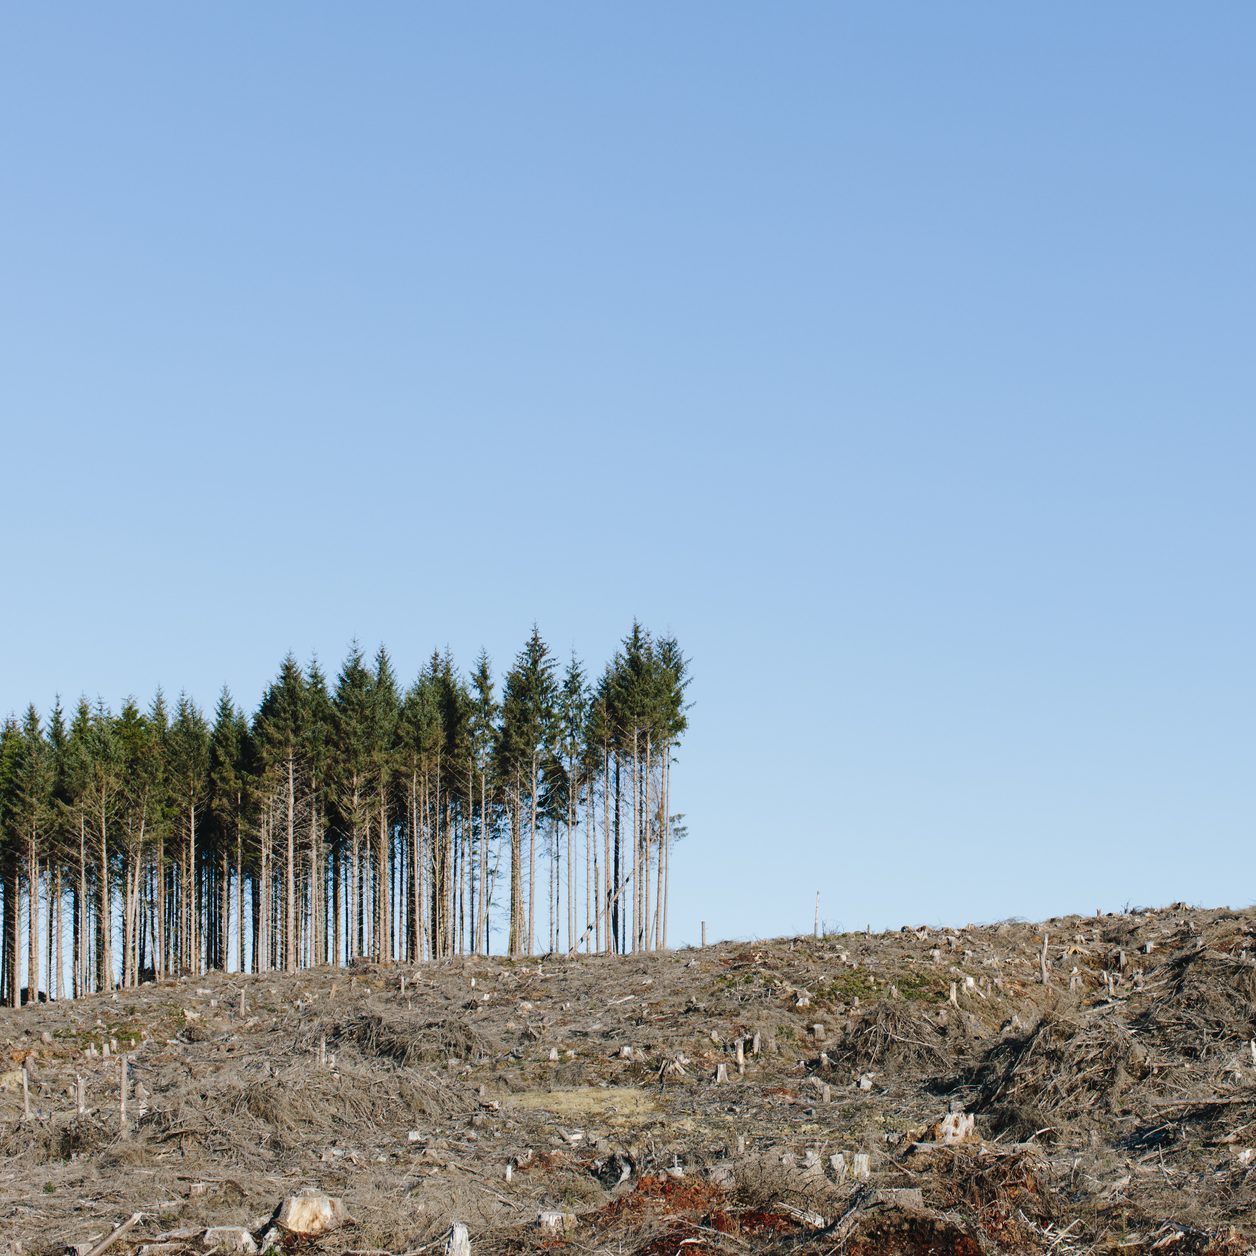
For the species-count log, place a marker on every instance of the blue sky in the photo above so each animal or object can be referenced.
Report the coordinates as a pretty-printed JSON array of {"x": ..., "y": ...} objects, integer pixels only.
[{"x": 897, "y": 357}]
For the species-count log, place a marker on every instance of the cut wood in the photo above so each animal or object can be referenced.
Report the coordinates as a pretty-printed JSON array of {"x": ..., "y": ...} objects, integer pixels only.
[{"x": 119, "y": 1232}]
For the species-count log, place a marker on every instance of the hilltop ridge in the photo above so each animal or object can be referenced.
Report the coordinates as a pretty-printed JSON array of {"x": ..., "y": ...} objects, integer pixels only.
[{"x": 794, "y": 1094}]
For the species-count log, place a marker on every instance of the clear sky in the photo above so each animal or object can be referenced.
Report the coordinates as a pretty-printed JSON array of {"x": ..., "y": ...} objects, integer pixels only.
[{"x": 897, "y": 357}]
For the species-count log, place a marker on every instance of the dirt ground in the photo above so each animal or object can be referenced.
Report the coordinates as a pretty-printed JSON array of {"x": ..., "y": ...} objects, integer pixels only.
[{"x": 787, "y": 1095}]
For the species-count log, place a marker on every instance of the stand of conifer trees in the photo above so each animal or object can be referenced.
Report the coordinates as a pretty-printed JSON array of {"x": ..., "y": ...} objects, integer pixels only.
[{"x": 347, "y": 819}]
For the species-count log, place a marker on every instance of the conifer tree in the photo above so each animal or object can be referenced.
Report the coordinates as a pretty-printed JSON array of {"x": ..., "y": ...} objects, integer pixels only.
[
  {"x": 482, "y": 733},
  {"x": 318, "y": 734},
  {"x": 527, "y": 718},
  {"x": 571, "y": 720},
  {"x": 352, "y": 729},
  {"x": 141, "y": 783},
  {"x": 187, "y": 760},
  {"x": 281, "y": 737},
  {"x": 359, "y": 822},
  {"x": 227, "y": 795},
  {"x": 384, "y": 706},
  {"x": 10, "y": 861}
]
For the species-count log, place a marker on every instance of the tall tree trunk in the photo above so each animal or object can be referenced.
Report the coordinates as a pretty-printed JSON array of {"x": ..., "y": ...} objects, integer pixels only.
[
  {"x": 616, "y": 931},
  {"x": 532, "y": 860},
  {"x": 317, "y": 935},
  {"x": 104, "y": 910},
  {"x": 481, "y": 924},
  {"x": 516, "y": 873},
  {"x": 646, "y": 844},
  {"x": 33, "y": 955},
  {"x": 289, "y": 874},
  {"x": 385, "y": 876},
  {"x": 80, "y": 914},
  {"x": 239, "y": 890},
  {"x": 416, "y": 870},
  {"x": 57, "y": 931},
  {"x": 590, "y": 865},
  {"x": 12, "y": 932},
  {"x": 661, "y": 895}
]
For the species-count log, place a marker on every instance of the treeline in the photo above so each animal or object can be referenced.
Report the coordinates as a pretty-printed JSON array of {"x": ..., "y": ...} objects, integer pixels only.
[{"x": 345, "y": 819}]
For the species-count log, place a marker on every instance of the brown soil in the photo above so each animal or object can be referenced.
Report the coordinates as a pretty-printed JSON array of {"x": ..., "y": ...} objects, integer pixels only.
[{"x": 1115, "y": 1107}]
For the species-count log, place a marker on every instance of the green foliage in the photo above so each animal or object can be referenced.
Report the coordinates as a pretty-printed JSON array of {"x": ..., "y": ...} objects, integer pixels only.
[{"x": 152, "y": 820}]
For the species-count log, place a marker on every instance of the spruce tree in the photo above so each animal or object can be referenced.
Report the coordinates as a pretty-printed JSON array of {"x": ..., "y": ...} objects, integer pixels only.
[
  {"x": 384, "y": 708},
  {"x": 482, "y": 731},
  {"x": 280, "y": 731},
  {"x": 352, "y": 731},
  {"x": 360, "y": 821},
  {"x": 527, "y": 717},
  {"x": 10, "y": 862},
  {"x": 187, "y": 761},
  {"x": 227, "y": 794}
]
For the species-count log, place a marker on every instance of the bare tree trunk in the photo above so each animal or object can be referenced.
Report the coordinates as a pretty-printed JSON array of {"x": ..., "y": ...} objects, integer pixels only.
[
  {"x": 665, "y": 850},
  {"x": 590, "y": 868},
  {"x": 482, "y": 924},
  {"x": 357, "y": 922},
  {"x": 12, "y": 977},
  {"x": 80, "y": 915},
  {"x": 516, "y": 874},
  {"x": 239, "y": 892},
  {"x": 532, "y": 862},
  {"x": 262, "y": 892},
  {"x": 33, "y": 955},
  {"x": 104, "y": 910},
  {"x": 646, "y": 845},
  {"x": 289, "y": 874},
  {"x": 613, "y": 901},
  {"x": 190, "y": 959},
  {"x": 318, "y": 932},
  {"x": 56, "y": 929},
  {"x": 383, "y": 924},
  {"x": 416, "y": 871},
  {"x": 572, "y": 789}
]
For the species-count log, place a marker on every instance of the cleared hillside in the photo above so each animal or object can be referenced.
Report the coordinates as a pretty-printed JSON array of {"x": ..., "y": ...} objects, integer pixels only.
[{"x": 718, "y": 1100}]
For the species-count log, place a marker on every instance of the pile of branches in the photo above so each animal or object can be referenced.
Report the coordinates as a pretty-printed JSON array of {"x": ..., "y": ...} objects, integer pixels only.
[
  {"x": 1068, "y": 1067},
  {"x": 902, "y": 1035},
  {"x": 408, "y": 1041},
  {"x": 58, "y": 1138},
  {"x": 1204, "y": 1004},
  {"x": 1007, "y": 1192},
  {"x": 250, "y": 1114}
]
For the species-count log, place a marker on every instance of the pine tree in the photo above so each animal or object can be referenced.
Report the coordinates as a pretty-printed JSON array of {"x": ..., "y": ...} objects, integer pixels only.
[
  {"x": 482, "y": 732},
  {"x": 319, "y": 734},
  {"x": 56, "y": 855},
  {"x": 351, "y": 708},
  {"x": 10, "y": 862},
  {"x": 527, "y": 717},
  {"x": 419, "y": 740},
  {"x": 571, "y": 719},
  {"x": 672, "y": 670},
  {"x": 141, "y": 775},
  {"x": 187, "y": 759},
  {"x": 227, "y": 795},
  {"x": 280, "y": 731},
  {"x": 359, "y": 822},
  {"x": 384, "y": 707}
]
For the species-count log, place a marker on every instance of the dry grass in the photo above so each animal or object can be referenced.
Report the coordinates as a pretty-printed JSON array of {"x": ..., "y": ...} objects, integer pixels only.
[{"x": 1117, "y": 1112}]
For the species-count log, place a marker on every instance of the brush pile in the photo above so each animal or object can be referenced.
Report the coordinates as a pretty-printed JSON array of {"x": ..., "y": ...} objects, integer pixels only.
[{"x": 922, "y": 1091}]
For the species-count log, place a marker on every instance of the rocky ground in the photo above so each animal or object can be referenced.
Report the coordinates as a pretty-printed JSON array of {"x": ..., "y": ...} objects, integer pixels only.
[{"x": 923, "y": 1091}]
